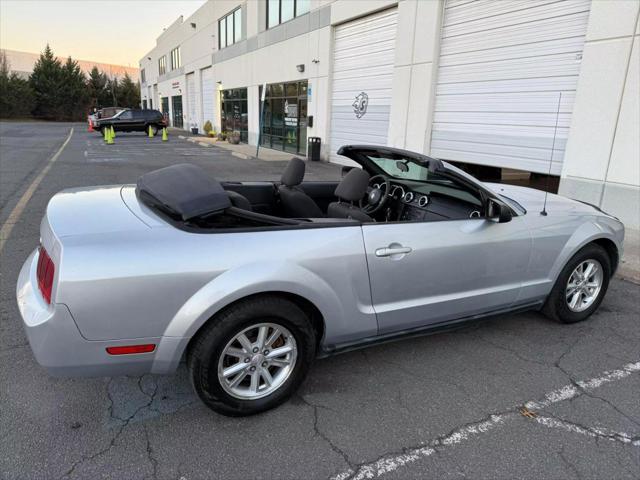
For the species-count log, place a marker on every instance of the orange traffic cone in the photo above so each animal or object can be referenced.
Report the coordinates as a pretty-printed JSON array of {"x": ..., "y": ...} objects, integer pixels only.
[{"x": 90, "y": 126}]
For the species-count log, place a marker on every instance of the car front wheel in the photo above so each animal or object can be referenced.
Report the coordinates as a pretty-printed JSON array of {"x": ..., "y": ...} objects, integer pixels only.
[
  {"x": 251, "y": 357},
  {"x": 580, "y": 287}
]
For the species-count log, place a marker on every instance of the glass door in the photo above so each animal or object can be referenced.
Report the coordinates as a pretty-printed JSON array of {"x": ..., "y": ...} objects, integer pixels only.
[
  {"x": 177, "y": 111},
  {"x": 284, "y": 124},
  {"x": 302, "y": 126},
  {"x": 165, "y": 108}
]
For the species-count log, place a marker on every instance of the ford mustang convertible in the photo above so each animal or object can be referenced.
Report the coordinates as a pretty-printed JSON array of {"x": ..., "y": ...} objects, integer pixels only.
[{"x": 249, "y": 282}]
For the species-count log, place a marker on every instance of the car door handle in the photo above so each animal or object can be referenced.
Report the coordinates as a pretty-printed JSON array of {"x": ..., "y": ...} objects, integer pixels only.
[{"x": 389, "y": 251}]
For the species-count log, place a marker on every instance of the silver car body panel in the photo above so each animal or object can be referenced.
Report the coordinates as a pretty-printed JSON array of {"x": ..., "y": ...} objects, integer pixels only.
[{"x": 124, "y": 275}]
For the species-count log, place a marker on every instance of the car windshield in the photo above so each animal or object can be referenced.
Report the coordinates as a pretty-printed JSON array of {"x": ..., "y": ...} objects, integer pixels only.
[{"x": 398, "y": 166}]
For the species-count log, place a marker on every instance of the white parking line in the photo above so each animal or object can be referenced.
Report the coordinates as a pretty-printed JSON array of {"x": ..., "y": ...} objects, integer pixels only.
[
  {"x": 394, "y": 462},
  {"x": 14, "y": 216}
]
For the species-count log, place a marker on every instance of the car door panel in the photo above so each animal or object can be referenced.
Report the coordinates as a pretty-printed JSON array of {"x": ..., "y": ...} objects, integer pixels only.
[{"x": 424, "y": 273}]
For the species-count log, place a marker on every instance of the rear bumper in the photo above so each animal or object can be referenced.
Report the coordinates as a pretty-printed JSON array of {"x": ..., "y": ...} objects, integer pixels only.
[{"x": 60, "y": 349}]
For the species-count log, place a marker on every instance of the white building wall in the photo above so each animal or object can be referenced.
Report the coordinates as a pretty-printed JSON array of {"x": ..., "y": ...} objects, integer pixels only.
[{"x": 602, "y": 160}]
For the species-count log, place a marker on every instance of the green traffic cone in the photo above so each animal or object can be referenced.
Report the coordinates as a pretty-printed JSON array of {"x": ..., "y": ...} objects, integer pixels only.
[
  {"x": 165, "y": 137},
  {"x": 113, "y": 132},
  {"x": 150, "y": 132},
  {"x": 105, "y": 131},
  {"x": 109, "y": 137}
]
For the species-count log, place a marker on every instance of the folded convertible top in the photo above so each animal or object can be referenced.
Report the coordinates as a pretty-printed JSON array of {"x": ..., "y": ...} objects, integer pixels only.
[{"x": 183, "y": 190}]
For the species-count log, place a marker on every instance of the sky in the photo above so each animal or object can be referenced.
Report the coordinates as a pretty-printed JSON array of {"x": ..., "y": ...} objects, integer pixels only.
[{"x": 108, "y": 31}]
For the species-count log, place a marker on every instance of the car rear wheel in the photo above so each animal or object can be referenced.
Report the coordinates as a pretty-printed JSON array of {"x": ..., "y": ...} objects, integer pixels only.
[
  {"x": 580, "y": 287},
  {"x": 252, "y": 356}
]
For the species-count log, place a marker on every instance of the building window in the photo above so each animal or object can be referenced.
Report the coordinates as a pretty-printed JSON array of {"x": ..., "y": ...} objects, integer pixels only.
[
  {"x": 143, "y": 78},
  {"x": 162, "y": 65},
  {"x": 280, "y": 11},
  {"x": 230, "y": 28},
  {"x": 176, "y": 62}
]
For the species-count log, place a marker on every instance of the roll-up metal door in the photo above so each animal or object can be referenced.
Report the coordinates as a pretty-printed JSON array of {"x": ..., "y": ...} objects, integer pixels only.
[
  {"x": 208, "y": 90},
  {"x": 191, "y": 101},
  {"x": 363, "y": 56},
  {"x": 502, "y": 67}
]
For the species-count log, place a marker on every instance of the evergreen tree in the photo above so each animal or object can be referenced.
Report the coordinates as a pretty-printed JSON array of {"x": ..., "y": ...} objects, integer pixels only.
[
  {"x": 128, "y": 93},
  {"x": 97, "y": 85},
  {"x": 5, "y": 104},
  {"x": 16, "y": 96},
  {"x": 47, "y": 82},
  {"x": 74, "y": 93},
  {"x": 113, "y": 87}
]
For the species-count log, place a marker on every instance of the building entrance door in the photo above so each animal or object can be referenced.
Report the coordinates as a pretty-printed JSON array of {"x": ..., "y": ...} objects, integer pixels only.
[
  {"x": 176, "y": 104},
  {"x": 302, "y": 126},
  {"x": 284, "y": 125}
]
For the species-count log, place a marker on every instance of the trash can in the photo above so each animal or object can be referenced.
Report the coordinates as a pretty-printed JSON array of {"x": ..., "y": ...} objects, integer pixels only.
[{"x": 313, "y": 148}]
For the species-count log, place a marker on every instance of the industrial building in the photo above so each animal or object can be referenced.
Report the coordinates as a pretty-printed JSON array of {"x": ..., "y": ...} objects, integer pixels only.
[{"x": 536, "y": 86}]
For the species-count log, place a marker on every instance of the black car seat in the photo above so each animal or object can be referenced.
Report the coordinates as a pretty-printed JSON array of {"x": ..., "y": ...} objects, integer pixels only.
[
  {"x": 296, "y": 203},
  {"x": 352, "y": 188}
]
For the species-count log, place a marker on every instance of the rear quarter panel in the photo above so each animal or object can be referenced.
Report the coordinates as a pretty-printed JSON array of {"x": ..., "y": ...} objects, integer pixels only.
[{"x": 167, "y": 282}]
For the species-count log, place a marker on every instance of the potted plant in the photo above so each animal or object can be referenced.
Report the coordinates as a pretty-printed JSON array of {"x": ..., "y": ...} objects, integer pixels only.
[
  {"x": 222, "y": 136},
  {"x": 194, "y": 129},
  {"x": 234, "y": 137},
  {"x": 207, "y": 127}
]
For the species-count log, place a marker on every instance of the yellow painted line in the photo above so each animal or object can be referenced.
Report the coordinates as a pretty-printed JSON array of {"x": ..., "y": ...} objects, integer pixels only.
[{"x": 15, "y": 214}]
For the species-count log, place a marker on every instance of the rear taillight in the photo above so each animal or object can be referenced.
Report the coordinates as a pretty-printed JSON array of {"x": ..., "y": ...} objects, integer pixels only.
[
  {"x": 46, "y": 270},
  {"x": 131, "y": 349}
]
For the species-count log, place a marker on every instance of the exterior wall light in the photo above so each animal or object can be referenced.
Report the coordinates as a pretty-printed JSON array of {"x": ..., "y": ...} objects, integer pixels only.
[
  {"x": 300, "y": 67},
  {"x": 193, "y": 25}
]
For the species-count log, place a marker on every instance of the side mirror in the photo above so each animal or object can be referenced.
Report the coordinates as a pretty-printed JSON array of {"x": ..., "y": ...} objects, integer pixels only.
[{"x": 498, "y": 211}]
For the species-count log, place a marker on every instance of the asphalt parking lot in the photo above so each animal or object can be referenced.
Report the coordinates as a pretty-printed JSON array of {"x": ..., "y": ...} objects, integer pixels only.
[{"x": 516, "y": 396}]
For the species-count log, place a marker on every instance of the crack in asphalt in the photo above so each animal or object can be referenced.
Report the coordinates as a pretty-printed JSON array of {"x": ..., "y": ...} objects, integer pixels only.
[
  {"x": 391, "y": 461},
  {"x": 124, "y": 423},
  {"x": 566, "y": 461},
  {"x": 150, "y": 457},
  {"x": 550, "y": 420},
  {"x": 322, "y": 435}
]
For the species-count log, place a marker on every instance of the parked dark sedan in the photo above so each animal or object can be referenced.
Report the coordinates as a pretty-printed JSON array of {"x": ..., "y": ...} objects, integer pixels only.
[{"x": 133, "y": 121}]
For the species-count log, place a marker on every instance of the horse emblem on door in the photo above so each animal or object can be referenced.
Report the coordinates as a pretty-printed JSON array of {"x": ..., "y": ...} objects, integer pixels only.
[{"x": 360, "y": 104}]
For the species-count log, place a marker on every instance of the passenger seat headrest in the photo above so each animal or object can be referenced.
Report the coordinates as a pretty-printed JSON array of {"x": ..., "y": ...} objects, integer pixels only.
[
  {"x": 294, "y": 173},
  {"x": 353, "y": 186}
]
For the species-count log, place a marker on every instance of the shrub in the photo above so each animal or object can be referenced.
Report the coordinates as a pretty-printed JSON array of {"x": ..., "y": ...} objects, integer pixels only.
[{"x": 207, "y": 127}]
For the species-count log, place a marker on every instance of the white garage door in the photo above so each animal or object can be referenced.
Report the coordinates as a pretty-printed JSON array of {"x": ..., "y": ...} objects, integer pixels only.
[
  {"x": 363, "y": 56},
  {"x": 502, "y": 68},
  {"x": 208, "y": 96},
  {"x": 191, "y": 101}
]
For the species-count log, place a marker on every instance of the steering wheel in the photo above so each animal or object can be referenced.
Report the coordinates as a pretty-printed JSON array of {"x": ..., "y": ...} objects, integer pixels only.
[{"x": 376, "y": 196}]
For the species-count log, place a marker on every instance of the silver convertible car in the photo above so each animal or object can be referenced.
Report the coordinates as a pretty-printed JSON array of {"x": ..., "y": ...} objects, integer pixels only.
[{"x": 249, "y": 282}]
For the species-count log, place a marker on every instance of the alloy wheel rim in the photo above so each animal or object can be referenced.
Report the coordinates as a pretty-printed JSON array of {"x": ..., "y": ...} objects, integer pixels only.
[
  {"x": 584, "y": 285},
  {"x": 257, "y": 361}
]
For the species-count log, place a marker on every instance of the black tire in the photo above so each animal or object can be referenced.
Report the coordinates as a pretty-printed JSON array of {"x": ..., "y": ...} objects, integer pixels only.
[
  {"x": 205, "y": 350},
  {"x": 556, "y": 306}
]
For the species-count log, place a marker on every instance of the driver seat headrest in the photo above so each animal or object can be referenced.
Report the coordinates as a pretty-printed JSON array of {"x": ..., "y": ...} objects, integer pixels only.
[
  {"x": 293, "y": 173},
  {"x": 353, "y": 186}
]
